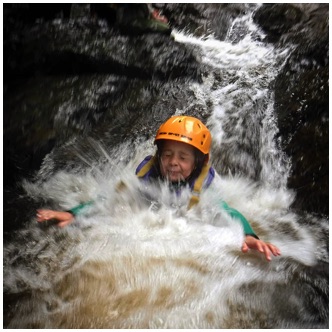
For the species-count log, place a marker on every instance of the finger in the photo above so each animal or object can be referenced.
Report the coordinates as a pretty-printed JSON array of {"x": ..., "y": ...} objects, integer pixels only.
[
  {"x": 260, "y": 247},
  {"x": 39, "y": 213},
  {"x": 272, "y": 248},
  {"x": 267, "y": 253},
  {"x": 245, "y": 247},
  {"x": 42, "y": 218},
  {"x": 275, "y": 250},
  {"x": 43, "y": 215}
]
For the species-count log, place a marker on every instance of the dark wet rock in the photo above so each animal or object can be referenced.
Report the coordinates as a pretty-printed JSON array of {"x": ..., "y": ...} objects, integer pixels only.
[
  {"x": 201, "y": 19},
  {"x": 301, "y": 96},
  {"x": 277, "y": 19},
  {"x": 44, "y": 54},
  {"x": 71, "y": 48}
]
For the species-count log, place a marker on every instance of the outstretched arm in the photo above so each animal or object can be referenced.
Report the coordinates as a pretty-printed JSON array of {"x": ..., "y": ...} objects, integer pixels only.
[
  {"x": 265, "y": 248},
  {"x": 63, "y": 218},
  {"x": 235, "y": 214},
  {"x": 251, "y": 239}
]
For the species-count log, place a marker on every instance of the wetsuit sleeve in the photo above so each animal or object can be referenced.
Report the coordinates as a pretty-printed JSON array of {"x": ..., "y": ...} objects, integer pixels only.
[
  {"x": 237, "y": 215},
  {"x": 76, "y": 210}
]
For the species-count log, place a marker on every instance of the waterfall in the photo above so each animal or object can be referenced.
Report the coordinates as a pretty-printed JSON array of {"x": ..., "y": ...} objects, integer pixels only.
[
  {"x": 242, "y": 122},
  {"x": 138, "y": 259}
]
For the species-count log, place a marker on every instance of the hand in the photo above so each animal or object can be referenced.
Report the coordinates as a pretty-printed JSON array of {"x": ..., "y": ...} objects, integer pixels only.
[
  {"x": 64, "y": 218},
  {"x": 156, "y": 15},
  {"x": 267, "y": 248}
]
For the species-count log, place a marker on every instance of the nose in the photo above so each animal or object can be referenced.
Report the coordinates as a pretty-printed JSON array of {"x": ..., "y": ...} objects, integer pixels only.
[{"x": 173, "y": 160}]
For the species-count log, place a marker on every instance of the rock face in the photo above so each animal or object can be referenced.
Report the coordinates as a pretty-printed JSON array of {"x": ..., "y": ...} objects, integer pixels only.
[
  {"x": 301, "y": 96},
  {"x": 47, "y": 47}
]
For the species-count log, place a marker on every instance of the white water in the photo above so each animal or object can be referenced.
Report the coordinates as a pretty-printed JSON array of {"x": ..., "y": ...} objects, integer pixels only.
[
  {"x": 139, "y": 259},
  {"x": 243, "y": 105}
]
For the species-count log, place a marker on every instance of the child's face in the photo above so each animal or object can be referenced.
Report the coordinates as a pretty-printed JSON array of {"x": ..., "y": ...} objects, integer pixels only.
[{"x": 177, "y": 160}]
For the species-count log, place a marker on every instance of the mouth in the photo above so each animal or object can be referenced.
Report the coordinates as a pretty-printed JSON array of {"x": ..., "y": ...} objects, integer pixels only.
[{"x": 172, "y": 175}]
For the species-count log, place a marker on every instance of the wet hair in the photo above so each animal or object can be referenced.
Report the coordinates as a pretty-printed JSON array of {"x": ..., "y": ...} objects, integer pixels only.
[{"x": 200, "y": 158}]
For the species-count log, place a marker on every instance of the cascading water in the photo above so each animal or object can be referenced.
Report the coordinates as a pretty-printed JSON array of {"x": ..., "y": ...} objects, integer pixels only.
[{"x": 138, "y": 259}]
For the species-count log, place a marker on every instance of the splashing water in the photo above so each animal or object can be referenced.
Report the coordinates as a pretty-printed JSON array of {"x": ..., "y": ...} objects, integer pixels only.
[{"x": 138, "y": 258}]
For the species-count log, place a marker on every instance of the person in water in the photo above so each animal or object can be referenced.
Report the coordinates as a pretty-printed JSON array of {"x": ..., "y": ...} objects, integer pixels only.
[{"x": 182, "y": 159}]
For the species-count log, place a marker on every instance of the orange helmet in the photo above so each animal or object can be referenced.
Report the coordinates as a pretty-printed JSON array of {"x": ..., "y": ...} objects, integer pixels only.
[{"x": 186, "y": 129}]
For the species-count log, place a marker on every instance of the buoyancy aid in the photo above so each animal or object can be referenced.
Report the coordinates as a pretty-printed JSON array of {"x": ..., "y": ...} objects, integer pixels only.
[{"x": 146, "y": 170}]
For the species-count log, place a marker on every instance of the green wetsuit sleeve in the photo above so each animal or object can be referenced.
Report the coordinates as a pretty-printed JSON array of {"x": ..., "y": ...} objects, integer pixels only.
[
  {"x": 237, "y": 215},
  {"x": 78, "y": 209}
]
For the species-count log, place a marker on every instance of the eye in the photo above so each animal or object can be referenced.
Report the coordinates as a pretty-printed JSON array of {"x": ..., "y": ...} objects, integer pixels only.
[
  {"x": 184, "y": 157},
  {"x": 166, "y": 154}
]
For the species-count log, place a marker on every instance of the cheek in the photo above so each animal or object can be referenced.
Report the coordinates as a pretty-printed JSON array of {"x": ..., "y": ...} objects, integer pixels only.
[
  {"x": 188, "y": 167},
  {"x": 163, "y": 165}
]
